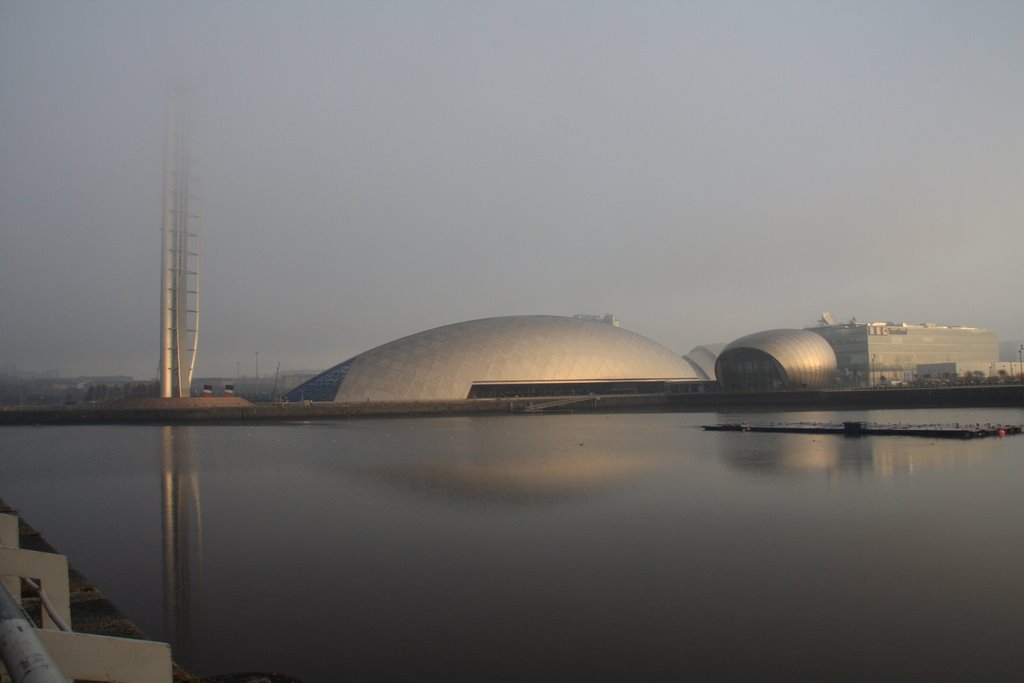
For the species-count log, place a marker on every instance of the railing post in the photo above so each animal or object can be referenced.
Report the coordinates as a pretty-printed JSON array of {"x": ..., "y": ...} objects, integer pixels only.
[
  {"x": 28, "y": 655},
  {"x": 9, "y": 537},
  {"x": 50, "y": 568}
]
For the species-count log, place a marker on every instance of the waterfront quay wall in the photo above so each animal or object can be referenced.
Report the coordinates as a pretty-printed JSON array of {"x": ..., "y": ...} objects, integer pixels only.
[
  {"x": 262, "y": 412},
  {"x": 1004, "y": 396},
  {"x": 91, "y": 611},
  {"x": 197, "y": 412}
]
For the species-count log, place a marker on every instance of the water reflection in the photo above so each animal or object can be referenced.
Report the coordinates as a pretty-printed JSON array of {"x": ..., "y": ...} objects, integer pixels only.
[
  {"x": 893, "y": 458},
  {"x": 563, "y": 547},
  {"x": 490, "y": 460},
  {"x": 880, "y": 457},
  {"x": 182, "y": 537},
  {"x": 512, "y": 478},
  {"x": 483, "y": 460}
]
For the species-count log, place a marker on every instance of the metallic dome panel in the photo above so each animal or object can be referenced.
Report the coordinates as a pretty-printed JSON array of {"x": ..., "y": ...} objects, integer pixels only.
[
  {"x": 443, "y": 363},
  {"x": 806, "y": 359},
  {"x": 703, "y": 358}
]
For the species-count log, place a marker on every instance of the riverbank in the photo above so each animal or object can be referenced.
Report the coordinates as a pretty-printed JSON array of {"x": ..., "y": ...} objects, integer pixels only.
[
  {"x": 235, "y": 410},
  {"x": 93, "y": 613}
]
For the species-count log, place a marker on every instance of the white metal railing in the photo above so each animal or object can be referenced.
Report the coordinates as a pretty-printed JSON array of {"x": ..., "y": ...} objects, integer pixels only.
[
  {"x": 560, "y": 402},
  {"x": 47, "y": 605},
  {"x": 55, "y": 653}
]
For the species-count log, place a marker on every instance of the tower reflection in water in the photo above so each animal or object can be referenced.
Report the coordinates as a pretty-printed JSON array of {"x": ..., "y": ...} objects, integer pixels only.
[{"x": 182, "y": 537}]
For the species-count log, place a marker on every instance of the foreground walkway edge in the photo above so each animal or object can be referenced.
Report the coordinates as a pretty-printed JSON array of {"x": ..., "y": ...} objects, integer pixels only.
[{"x": 103, "y": 643}]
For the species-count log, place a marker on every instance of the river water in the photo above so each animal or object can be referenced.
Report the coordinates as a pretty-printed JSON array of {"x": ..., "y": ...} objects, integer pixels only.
[{"x": 553, "y": 547}]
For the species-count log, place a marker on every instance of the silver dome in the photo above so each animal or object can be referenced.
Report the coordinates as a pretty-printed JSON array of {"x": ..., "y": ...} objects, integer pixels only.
[
  {"x": 445, "y": 362},
  {"x": 777, "y": 359}
]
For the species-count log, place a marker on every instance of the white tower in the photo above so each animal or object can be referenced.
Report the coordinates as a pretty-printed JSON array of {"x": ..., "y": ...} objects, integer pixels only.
[{"x": 179, "y": 330}]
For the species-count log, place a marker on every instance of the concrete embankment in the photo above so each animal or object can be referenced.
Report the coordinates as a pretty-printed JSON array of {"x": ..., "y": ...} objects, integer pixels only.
[
  {"x": 1004, "y": 396},
  {"x": 233, "y": 411},
  {"x": 92, "y": 612}
]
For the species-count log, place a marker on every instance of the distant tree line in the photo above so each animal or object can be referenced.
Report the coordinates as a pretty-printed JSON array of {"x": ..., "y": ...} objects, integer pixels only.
[
  {"x": 112, "y": 392},
  {"x": 16, "y": 392}
]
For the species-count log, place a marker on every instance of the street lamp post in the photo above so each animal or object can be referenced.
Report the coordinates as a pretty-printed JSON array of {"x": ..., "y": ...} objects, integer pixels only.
[{"x": 1020, "y": 365}]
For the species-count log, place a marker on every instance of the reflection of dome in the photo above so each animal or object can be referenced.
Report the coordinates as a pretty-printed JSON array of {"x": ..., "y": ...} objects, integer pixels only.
[
  {"x": 794, "y": 453},
  {"x": 775, "y": 360},
  {"x": 501, "y": 356},
  {"x": 515, "y": 476}
]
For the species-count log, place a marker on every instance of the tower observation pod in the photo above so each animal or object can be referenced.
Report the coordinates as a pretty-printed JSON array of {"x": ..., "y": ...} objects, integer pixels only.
[{"x": 179, "y": 284}]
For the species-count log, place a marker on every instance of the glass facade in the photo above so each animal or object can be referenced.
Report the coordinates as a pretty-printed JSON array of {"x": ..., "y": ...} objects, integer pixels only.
[
  {"x": 323, "y": 387},
  {"x": 546, "y": 389},
  {"x": 878, "y": 354},
  {"x": 751, "y": 370},
  {"x": 849, "y": 342}
]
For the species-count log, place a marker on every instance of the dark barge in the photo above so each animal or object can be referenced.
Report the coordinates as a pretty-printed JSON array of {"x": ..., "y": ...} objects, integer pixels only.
[{"x": 955, "y": 431}]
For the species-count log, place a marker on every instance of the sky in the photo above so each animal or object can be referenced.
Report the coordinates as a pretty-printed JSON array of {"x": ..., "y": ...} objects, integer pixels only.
[{"x": 368, "y": 170}]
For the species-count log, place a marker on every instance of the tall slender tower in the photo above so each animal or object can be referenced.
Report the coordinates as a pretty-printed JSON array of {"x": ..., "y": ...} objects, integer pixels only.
[{"x": 179, "y": 308}]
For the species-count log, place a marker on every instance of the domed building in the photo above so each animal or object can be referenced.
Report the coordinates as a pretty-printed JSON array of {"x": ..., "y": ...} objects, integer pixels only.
[
  {"x": 531, "y": 355},
  {"x": 703, "y": 358},
  {"x": 776, "y": 360}
]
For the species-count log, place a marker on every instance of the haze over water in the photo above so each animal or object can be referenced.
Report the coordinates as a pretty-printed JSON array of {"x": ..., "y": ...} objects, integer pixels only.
[{"x": 557, "y": 547}]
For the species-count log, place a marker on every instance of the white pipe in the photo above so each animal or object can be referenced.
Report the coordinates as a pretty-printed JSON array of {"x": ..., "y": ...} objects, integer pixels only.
[{"x": 25, "y": 658}]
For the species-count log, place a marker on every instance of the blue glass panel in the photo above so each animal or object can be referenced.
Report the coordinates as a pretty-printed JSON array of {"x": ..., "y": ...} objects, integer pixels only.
[{"x": 323, "y": 387}]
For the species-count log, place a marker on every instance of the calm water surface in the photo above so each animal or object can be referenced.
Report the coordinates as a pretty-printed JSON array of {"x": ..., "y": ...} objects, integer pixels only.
[{"x": 546, "y": 547}]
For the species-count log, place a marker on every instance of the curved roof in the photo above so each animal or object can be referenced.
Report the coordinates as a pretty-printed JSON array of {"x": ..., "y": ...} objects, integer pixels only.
[
  {"x": 703, "y": 358},
  {"x": 444, "y": 363},
  {"x": 806, "y": 359}
]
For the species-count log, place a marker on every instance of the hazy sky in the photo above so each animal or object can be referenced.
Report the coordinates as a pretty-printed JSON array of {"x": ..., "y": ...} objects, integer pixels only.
[{"x": 372, "y": 169}]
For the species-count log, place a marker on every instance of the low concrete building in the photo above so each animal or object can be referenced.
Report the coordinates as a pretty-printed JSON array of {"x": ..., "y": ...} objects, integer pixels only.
[
  {"x": 958, "y": 371},
  {"x": 879, "y": 353}
]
